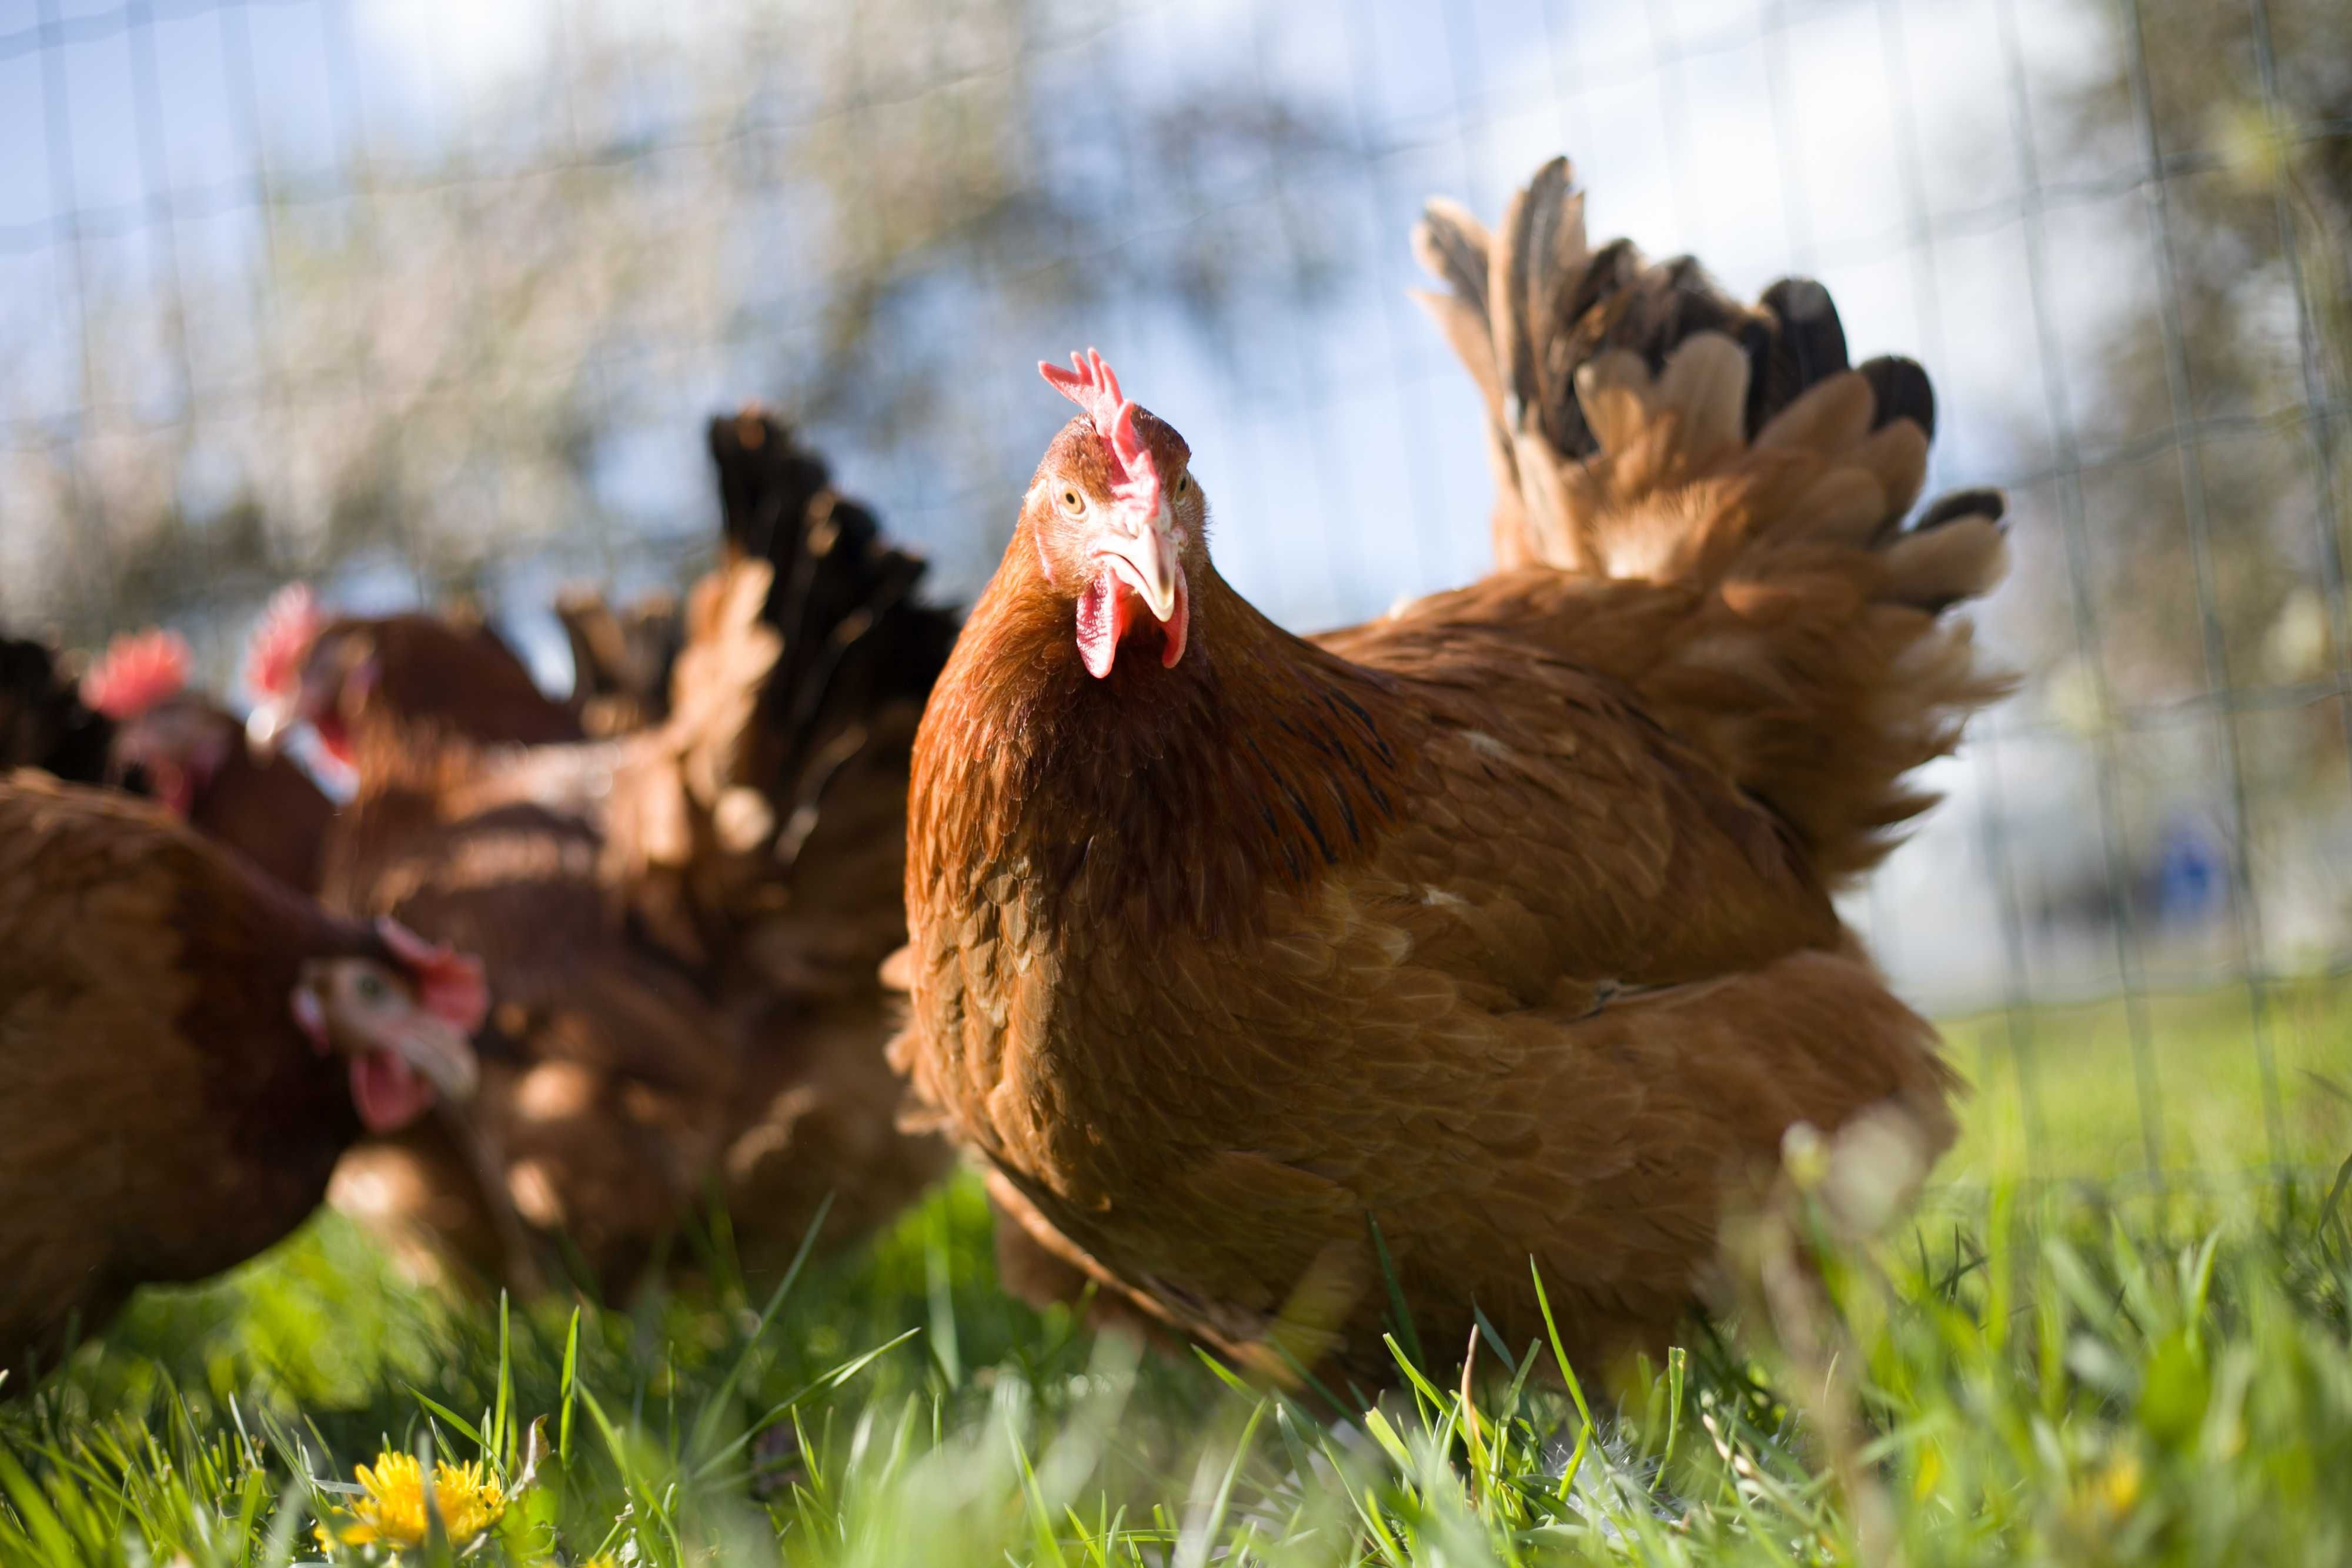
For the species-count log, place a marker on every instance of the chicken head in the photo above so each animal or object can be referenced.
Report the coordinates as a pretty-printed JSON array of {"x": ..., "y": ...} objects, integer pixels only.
[
  {"x": 402, "y": 1021},
  {"x": 1116, "y": 516},
  {"x": 166, "y": 742},
  {"x": 297, "y": 676}
]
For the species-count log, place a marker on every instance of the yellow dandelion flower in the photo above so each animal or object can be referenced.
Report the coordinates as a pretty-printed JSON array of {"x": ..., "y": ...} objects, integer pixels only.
[
  {"x": 2118, "y": 1485},
  {"x": 393, "y": 1510}
]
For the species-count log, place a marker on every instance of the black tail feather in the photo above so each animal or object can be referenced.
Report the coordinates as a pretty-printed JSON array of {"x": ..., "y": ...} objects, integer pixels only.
[
  {"x": 44, "y": 722},
  {"x": 844, "y": 597}
]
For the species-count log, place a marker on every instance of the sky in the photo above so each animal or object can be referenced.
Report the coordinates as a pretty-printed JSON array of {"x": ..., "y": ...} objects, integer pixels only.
[{"x": 1889, "y": 147}]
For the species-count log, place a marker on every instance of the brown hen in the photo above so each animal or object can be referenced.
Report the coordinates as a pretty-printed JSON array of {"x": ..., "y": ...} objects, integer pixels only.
[
  {"x": 188, "y": 1047},
  {"x": 1502, "y": 924}
]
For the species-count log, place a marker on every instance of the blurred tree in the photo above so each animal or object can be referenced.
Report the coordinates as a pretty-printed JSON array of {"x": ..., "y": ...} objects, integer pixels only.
[
  {"x": 438, "y": 364},
  {"x": 2216, "y": 524},
  {"x": 2250, "y": 106}
]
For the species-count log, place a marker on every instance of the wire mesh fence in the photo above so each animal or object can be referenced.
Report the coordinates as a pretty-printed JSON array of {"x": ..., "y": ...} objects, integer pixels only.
[{"x": 417, "y": 299}]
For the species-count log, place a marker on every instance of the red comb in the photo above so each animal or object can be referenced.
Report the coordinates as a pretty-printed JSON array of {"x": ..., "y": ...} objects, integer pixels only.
[
  {"x": 137, "y": 671},
  {"x": 1094, "y": 387},
  {"x": 274, "y": 656},
  {"x": 449, "y": 983}
]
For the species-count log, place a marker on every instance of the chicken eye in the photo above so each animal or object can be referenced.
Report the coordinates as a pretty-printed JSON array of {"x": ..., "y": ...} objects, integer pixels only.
[
  {"x": 1073, "y": 503},
  {"x": 372, "y": 988},
  {"x": 1183, "y": 483}
]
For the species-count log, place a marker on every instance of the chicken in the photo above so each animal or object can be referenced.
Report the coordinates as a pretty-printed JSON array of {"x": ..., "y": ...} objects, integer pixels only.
[
  {"x": 1256, "y": 968},
  {"x": 599, "y": 1054},
  {"x": 188, "y": 1047},
  {"x": 190, "y": 754},
  {"x": 455, "y": 684},
  {"x": 682, "y": 924},
  {"x": 134, "y": 723}
]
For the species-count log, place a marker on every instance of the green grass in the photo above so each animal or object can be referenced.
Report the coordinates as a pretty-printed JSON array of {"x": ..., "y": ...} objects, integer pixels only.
[
  {"x": 2025, "y": 1371},
  {"x": 2070, "y": 1094}
]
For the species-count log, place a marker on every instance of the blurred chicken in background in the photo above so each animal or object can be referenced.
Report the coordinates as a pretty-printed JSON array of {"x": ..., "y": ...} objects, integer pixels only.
[
  {"x": 682, "y": 924},
  {"x": 133, "y": 722},
  {"x": 187, "y": 1046}
]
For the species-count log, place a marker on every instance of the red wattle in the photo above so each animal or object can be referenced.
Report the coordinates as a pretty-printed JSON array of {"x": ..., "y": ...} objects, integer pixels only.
[
  {"x": 388, "y": 1092},
  {"x": 1104, "y": 611},
  {"x": 1173, "y": 630}
]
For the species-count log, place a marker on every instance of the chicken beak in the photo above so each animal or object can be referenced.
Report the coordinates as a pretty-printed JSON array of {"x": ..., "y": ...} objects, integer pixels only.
[
  {"x": 441, "y": 1055},
  {"x": 270, "y": 719},
  {"x": 1148, "y": 561}
]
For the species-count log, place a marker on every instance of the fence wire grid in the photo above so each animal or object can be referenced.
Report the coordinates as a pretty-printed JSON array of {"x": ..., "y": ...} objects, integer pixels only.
[{"x": 416, "y": 299}]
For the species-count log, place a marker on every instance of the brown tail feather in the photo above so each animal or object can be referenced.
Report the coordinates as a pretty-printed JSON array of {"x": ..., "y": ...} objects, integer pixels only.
[
  {"x": 1528, "y": 309},
  {"x": 1650, "y": 431},
  {"x": 767, "y": 818},
  {"x": 620, "y": 658}
]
